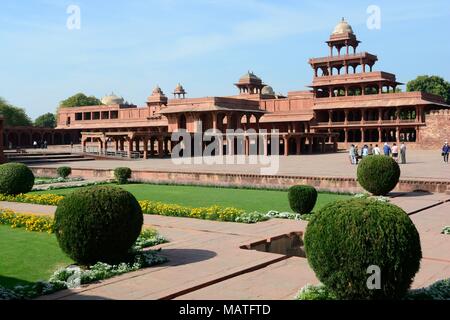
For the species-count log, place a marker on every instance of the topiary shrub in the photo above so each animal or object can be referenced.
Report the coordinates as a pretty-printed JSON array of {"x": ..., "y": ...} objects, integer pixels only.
[
  {"x": 346, "y": 237},
  {"x": 98, "y": 224},
  {"x": 302, "y": 199},
  {"x": 64, "y": 172},
  {"x": 122, "y": 175},
  {"x": 378, "y": 174},
  {"x": 15, "y": 178}
]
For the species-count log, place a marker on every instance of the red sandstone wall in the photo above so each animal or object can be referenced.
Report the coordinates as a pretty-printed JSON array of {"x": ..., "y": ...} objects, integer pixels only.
[{"x": 436, "y": 131}]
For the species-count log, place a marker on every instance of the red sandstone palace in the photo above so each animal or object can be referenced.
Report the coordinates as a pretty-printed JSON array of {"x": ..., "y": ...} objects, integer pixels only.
[{"x": 349, "y": 102}]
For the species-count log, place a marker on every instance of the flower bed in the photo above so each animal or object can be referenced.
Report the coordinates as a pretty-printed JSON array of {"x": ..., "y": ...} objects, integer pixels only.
[
  {"x": 44, "y": 199},
  {"x": 30, "y": 222},
  {"x": 158, "y": 208}
]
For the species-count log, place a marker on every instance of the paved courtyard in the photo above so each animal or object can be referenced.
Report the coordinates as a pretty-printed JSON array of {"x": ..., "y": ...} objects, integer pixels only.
[
  {"x": 206, "y": 261},
  {"x": 422, "y": 164}
]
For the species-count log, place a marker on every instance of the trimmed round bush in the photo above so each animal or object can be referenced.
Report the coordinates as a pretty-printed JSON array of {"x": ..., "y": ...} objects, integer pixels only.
[
  {"x": 302, "y": 199},
  {"x": 98, "y": 224},
  {"x": 15, "y": 178},
  {"x": 378, "y": 174},
  {"x": 346, "y": 237},
  {"x": 122, "y": 175},
  {"x": 64, "y": 172}
]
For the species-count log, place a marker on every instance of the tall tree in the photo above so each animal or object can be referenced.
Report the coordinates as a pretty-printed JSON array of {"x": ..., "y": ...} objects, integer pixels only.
[
  {"x": 80, "y": 100},
  {"x": 14, "y": 116},
  {"x": 47, "y": 120},
  {"x": 430, "y": 84}
]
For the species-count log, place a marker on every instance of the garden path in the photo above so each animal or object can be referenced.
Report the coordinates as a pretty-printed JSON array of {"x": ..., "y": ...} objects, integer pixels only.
[{"x": 206, "y": 261}]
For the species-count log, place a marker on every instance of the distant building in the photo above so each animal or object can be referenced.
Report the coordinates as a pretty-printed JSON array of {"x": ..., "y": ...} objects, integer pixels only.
[{"x": 348, "y": 102}]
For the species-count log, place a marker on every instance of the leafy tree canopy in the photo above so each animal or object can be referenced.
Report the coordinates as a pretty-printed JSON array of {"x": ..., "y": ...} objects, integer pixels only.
[
  {"x": 430, "y": 84},
  {"x": 80, "y": 100},
  {"x": 14, "y": 116},
  {"x": 47, "y": 120}
]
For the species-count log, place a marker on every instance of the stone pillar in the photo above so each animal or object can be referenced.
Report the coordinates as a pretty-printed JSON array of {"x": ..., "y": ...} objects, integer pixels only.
[
  {"x": 380, "y": 135},
  {"x": 397, "y": 134},
  {"x": 363, "y": 135},
  {"x": 247, "y": 145},
  {"x": 145, "y": 148},
  {"x": 346, "y": 135},
  {"x": 84, "y": 142},
  {"x": 330, "y": 117},
  {"x": 380, "y": 115},
  {"x": 346, "y": 117},
  {"x": 130, "y": 147},
  {"x": 265, "y": 147},
  {"x": 298, "y": 144},
  {"x": 117, "y": 144},
  {"x": 286, "y": 145}
]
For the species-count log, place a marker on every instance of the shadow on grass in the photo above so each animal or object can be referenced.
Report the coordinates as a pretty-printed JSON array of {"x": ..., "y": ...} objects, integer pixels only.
[{"x": 10, "y": 283}]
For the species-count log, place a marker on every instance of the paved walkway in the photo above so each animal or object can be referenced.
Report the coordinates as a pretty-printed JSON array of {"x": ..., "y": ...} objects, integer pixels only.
[{"x": 206, "y": 261}]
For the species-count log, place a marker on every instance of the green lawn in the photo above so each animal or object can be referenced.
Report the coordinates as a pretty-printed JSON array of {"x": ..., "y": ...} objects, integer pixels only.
[
  {"x": 194, "y": 196},
  {"x": 26, "y": 257}
]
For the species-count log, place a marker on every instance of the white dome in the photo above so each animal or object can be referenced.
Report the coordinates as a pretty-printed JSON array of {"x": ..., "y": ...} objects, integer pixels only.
[
  {"x": 112, "y": 99},
  {"x": 342, "y": 28},
  {"x": 268, "y": 90}
]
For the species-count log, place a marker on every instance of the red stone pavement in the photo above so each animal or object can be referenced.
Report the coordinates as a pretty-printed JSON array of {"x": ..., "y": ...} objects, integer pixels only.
[{"x": 206, "y": 261}]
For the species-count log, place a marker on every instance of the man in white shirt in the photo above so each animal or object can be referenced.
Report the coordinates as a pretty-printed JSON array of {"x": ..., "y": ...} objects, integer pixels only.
[{"x": 376, "y": 151}]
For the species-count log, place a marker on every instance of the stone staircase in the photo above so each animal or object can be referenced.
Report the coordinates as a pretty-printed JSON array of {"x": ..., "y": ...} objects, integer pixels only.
[{"x": 44, "y": 157}]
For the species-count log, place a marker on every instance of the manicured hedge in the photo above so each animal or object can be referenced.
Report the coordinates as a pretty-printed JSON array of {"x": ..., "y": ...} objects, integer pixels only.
[
  {"x": 122, "y": 174},
  {"x": 378, "y": 174},
  {"x": 346, "y": 237},
  {"x": 64, "y": 172},
  {"x": 15, "y": 178},
  {"x": 98, "y": 224},
  {"x": 302, "y": 199}
]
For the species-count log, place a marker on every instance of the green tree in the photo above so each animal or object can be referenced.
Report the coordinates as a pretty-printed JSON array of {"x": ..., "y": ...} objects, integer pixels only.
[
  {"x": 80, "y": 100},
  {"x": 430, "y": 84},
  {"x": 14, "y": 116},
  {"x": 47, "y": 120}
]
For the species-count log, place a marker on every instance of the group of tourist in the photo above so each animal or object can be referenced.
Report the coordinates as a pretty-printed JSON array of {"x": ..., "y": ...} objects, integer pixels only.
[{"x": 367, "y": 150}]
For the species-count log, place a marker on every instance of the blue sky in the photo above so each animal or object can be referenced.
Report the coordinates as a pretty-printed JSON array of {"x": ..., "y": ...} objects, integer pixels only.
[{"x": 130, "y": 46}]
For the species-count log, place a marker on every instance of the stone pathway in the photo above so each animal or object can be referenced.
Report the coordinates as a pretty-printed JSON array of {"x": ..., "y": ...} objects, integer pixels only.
[{"x": 206, "y": 261}]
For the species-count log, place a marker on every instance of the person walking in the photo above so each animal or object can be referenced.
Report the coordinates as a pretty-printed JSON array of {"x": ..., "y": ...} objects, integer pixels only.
[
  {"x": 403, "y": 152},
  {"x": 356, "y": 154},
  {"x": 376, "y": 151},
  {"x": 352, "y": 154},
  {"x": 365, "y": 151},
  {"x": 387, "y": 149},
  {"x": 395, "y": 152},
  {"x": 370, "y": 150},
  {"x": 445, "y": 151},
  {"x": 35, "y": 144}
]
